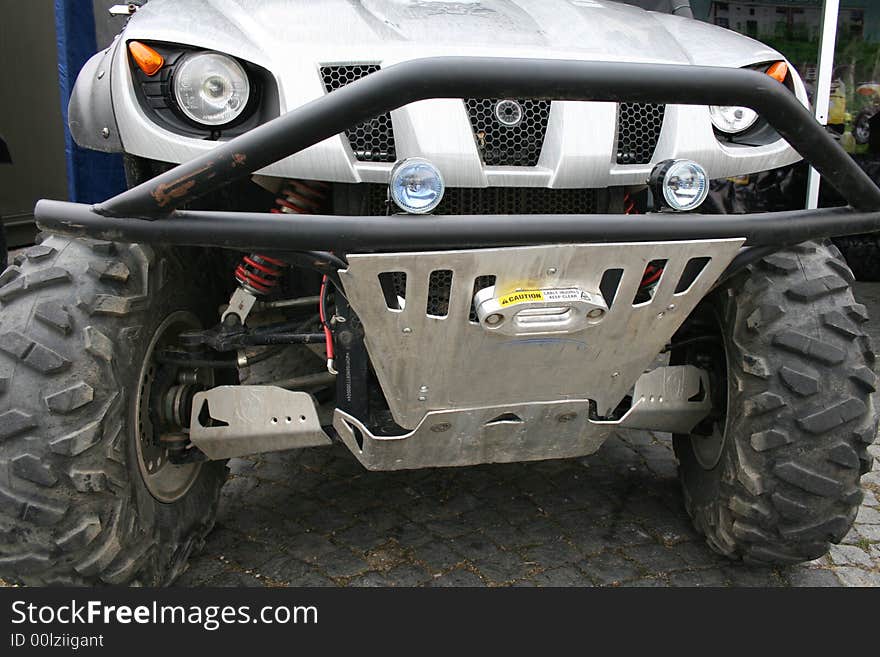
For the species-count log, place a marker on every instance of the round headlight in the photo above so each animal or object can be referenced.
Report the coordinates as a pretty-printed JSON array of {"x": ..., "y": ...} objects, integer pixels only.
[
  {"x": 732, "y": 120},
  {"x": 416, "y": 186},
  {"x": 210, "y": 88},
  {"x": 682, "y": 184}
]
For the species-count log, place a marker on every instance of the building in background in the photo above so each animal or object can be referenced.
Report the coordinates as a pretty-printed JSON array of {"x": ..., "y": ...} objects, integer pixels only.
[{"x": 792, "y": 19}]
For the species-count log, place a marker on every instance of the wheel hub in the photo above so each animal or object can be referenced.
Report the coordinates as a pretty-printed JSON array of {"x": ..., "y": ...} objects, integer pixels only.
[{"x": 162, "y": 415}]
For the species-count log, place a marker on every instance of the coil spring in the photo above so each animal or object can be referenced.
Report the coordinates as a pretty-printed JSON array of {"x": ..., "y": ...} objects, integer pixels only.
[{"x": 260, "y": 274}]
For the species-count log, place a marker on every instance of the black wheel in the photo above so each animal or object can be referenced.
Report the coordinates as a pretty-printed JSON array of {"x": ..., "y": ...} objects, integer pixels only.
[
  {"x": 773, "y": 477},
  {"x": 87, "y": 491},
  {"x": 862, "y": 253}
]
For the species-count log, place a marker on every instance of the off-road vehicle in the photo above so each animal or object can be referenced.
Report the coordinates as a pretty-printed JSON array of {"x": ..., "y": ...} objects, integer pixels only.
[{"x": 471, "y": 230}]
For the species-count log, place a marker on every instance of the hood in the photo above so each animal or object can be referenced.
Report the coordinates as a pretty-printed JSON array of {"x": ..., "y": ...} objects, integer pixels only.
[{"x": 394, "y": 30}]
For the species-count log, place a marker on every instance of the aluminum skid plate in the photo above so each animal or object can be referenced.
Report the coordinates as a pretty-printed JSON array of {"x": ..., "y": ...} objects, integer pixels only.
[
  {"x": 542, "y": 430},
  {"x": 429, "y": 363},
  {"x": 254, "y": 419}
]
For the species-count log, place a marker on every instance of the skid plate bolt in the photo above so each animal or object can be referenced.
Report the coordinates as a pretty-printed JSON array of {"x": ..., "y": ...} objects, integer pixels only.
[
  {"x": 671, "y": 306},
  {"x": 660, "y": 315},
  {"x": 105, "y": 133},
  {"x": 566, "y": 417},
  {"x": 551, "y": 271},
  {"x": 407, "y": 330},
  {"x": 423, "y": 388},
  {"x": 494, "y": 319},
  {"x": 614, "y": 375},
  {"x": 422, "y": 398},
  {"x": 440, "y": 427}
]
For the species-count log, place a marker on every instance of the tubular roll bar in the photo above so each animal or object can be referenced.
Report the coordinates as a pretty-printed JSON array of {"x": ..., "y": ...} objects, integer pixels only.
[{"x": 121, "y": 217}]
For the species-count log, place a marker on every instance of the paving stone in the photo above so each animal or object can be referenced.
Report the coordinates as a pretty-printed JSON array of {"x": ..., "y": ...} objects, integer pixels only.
[
  {"x": 407, "y": 575},
  {"x": 851, "y": 576},
  {"x": 868, "y": 516},
  {"x": 437, "y": 556},
  {"x": 656, "y": 557},
  {"x": 284, "y": 568},
  {"x": 609, "y": 568},
  {"x": 342, "y": 562},
  {"x": 555, "y": 552},
  {"x": 370, "y": 579},
  {"x": 801, "y": 576},
  {"x": 869, "y": 532},
  {"x": 850, "y": 555},
  {"x": 744, "y": 575},
  {"x": 457, "y": 577},
  {"x": 563, "y": 576},
  {"x": 711, "y": 577}
]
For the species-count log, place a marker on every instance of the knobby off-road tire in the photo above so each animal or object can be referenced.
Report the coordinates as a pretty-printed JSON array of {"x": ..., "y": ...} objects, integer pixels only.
[
  {"x": 800, "y": 412},
  {"x": 4, "y": 255},
  {"x": 76, "y": 318},
  {"x": 862, "y": 253}
]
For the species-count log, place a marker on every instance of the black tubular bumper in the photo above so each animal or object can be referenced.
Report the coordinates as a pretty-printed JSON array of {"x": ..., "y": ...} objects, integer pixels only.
[{"x": 149, "y": 212}]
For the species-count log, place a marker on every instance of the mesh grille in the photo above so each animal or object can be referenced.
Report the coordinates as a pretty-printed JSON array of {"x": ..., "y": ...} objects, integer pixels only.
[
  {"x": 638, "y": 131},
  {"x": 372, "y": 141},
  {"x": 439, "y": 286},
  {"x": 516, "y": 145},
  {"x": 500, "y": 200}
]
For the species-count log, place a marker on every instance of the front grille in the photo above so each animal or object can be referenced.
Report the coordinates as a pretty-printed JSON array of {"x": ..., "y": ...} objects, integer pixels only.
[
  {"x": 499, "y": 200},
  {"x": 638, "y": 131},
  {"x": 515, "y": 145},
  {"x": 372, "y": 141}
]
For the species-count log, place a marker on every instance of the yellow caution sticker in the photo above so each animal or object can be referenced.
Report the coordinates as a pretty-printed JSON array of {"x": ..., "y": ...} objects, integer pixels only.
[{"x": 521, "y": 296}]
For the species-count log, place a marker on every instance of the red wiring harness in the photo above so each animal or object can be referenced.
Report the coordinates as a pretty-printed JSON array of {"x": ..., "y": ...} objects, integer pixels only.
[
  {"x": 328, "y": 334},
  {"x": 652, "y": 272}
]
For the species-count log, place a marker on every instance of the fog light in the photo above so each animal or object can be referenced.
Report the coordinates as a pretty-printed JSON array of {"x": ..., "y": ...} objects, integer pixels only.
[
  {"x": 682, "y": 185},
  {"x": 416, "y": 186}
]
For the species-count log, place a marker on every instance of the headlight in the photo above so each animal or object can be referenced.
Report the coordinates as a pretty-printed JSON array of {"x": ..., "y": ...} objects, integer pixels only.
[
  {"x": 211, "y": 89},
  {"x": 733, "y": 120},
  {"x": 682, "y": 185},
  {"x": 416, "y": 186}
]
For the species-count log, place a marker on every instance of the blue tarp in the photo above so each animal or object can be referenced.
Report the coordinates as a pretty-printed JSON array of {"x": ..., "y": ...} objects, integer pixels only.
[{"x": 91, "y": 176}]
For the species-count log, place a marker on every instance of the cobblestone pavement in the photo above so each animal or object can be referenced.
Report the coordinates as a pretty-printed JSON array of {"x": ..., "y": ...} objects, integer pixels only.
[{"x": 316, "y": 517}]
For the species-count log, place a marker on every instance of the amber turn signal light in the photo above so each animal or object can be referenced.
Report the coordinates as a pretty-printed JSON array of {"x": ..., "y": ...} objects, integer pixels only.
[
  {"x": 147, "y": 59},
  {"x": 779, "y": 71}
]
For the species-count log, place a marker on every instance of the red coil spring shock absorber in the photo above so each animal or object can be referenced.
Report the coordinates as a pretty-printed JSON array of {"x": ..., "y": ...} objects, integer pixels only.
[{"x": 259, "y": 274}]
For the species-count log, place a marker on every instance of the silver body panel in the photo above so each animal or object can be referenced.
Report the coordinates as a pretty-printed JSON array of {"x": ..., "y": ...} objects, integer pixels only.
[
  {"x": 428, "y": 363},
  {"x": 293, "y": 38}
]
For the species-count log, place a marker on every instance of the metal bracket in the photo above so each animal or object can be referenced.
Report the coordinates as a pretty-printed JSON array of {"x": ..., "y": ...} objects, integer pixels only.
[
  {"x": 253, "y": 419},
  {"x": 674, "y": 398},
  {"x": 535, "y": 312},
  {"x": 240, "y": 304}
]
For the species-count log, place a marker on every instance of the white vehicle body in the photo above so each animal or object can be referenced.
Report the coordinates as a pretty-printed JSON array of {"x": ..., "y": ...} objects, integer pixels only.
[{"x": 294, "y": 39}]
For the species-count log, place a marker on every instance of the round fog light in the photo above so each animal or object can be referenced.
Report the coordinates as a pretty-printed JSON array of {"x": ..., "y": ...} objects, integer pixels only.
[
  {"x": 682, "y": 185},
  {"x": 416, "y": 186}
]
